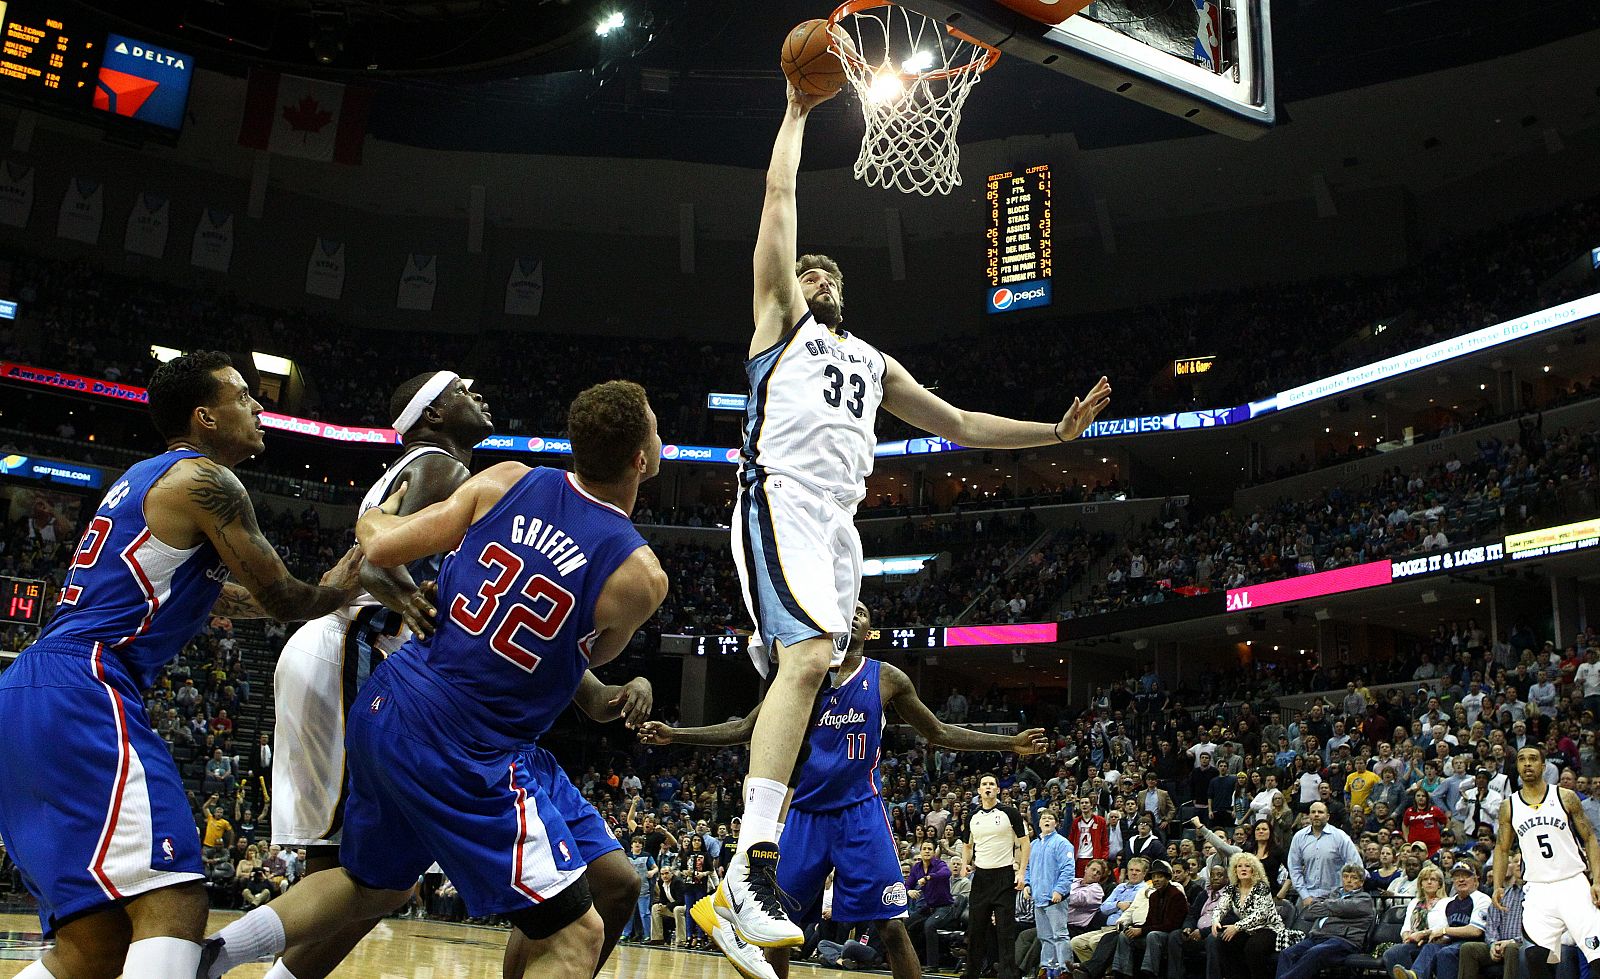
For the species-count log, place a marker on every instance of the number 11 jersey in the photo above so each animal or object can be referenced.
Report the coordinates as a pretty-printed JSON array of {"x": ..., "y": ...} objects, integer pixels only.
[{"x": 813, "y": 405}]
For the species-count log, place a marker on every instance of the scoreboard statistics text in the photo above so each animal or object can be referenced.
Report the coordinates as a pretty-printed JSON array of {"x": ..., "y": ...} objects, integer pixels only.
[{"x": 1018, "y": 261}]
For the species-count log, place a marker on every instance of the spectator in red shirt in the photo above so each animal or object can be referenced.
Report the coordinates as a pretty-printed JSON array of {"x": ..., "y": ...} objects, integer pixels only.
[{"x": 1422, "y": 820}]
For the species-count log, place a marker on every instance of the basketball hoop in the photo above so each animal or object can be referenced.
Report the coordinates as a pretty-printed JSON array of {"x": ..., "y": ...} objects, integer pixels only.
[{"x": 912, "y": 75}]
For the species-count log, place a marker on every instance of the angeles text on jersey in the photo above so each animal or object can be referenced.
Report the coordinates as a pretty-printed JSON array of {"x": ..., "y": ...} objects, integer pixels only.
[{"x": 851, "y": 716}]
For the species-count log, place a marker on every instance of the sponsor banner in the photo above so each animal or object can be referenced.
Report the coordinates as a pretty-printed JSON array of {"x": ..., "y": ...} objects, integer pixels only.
[
  {"x": 72, "y": 382},
  {"x": 1554, "y": 540},
  {"x": 1000, "y": 635},
  {"x": 143, "y": 82},
  {"x": 323, "y": 430},
  {"x": 1310, "y": 586},
  {"x": 726, "y": 402},
  {"x": 1442, "y": 561},
  {"x": 1019, "y": 295},
  {"x": 1186, "y": 366},
  {"x": 875, "y": 567},
  {"x": 46, "y": 471},
  {"x": 1177, "y": 422}
]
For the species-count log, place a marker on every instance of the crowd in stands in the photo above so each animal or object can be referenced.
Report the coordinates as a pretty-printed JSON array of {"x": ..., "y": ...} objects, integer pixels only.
[
  {"x": 1363, "y": 816},
  {"x": 102, "y": 325},
  {"x": 1539, "y": 479}
]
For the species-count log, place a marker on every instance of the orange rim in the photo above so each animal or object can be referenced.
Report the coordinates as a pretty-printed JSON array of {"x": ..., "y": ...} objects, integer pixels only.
[{"x": 851, "y": 7}]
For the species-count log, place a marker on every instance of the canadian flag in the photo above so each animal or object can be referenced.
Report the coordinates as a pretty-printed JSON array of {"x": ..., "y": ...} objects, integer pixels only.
[{"x": 305, "y": 117}]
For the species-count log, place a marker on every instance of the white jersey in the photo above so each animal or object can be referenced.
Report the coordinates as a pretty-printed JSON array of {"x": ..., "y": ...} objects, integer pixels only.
[
  {"x": 813, "y": 406},
  {"x": 1551, "y": 850},
  {"x": 375, "y": 496}
]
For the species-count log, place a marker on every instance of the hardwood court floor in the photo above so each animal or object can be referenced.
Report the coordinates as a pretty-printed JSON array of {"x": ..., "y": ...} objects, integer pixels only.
[{"x": 401, "y": 949}]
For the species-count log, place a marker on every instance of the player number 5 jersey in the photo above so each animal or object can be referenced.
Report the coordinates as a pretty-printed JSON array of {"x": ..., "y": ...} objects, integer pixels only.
[
  {"x": 813, "y": 405},
  {"x": 1549, "y": 844}
]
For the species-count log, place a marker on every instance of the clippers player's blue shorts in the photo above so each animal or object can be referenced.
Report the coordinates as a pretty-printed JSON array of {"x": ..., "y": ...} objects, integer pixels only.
[
  {"x": 857, "y": 844},
  {"x": 92, "y": 808},
  {"x": 496, "y": 821}
]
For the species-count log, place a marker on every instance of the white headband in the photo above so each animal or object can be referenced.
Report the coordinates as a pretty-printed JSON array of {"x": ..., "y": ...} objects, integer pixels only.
[{"x": 423, "y": 398}]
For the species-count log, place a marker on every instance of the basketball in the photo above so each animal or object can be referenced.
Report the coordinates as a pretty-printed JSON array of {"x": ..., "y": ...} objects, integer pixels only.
[{"x": 809, "y": 62}]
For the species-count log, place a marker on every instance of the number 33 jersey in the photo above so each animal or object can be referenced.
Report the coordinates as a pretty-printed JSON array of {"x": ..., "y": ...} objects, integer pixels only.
[
  {"x": 813, "y": 404},
  {"x": 516, "y": 612}
]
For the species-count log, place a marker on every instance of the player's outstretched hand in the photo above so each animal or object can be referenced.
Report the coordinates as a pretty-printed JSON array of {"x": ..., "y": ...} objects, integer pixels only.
[
  {"x": 655, "y": 732},
  {"x": 635, "y": 702},
  {"x": 1084, "y": 411},
  {"x": 346, "y": 575},
  {"x": 1030, "y": 742}
]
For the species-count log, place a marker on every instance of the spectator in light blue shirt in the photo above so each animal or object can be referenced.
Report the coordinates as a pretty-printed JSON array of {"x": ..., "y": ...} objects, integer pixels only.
[
  {"x": 1121, "y": 896},
  {"x": 1049, "y": 877},
  {"x": 1317, "y": 854}
]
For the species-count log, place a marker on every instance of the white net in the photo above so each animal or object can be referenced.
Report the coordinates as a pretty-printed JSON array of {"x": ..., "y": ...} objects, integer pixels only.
[{"x": 912, "y": 77}]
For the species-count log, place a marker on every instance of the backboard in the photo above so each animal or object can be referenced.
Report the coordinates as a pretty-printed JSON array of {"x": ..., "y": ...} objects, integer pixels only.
[{"x": 1208, "y": 61}]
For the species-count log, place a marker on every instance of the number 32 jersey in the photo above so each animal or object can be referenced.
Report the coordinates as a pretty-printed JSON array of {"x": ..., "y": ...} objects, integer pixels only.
[
  {"x": 516, "y": 612},
  {"x": 813, "y": 406}
]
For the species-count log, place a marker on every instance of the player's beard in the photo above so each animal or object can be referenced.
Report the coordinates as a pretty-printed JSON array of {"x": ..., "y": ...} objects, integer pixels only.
[{"x": 827, "y": 310}]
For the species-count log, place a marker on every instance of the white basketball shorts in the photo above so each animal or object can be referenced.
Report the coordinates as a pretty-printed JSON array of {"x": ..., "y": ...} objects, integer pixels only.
[{"x": 1562, "y": 911}]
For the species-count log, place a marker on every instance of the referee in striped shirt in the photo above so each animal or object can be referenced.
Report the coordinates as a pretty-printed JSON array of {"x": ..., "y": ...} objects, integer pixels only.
[{"x": 995, "y": 849}]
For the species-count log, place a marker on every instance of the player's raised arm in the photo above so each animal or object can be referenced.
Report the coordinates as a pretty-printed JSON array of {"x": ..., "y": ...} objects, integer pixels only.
[
  {"x": 914, "y": 404},
  {"x": 902, "y": 696},
  {"x": 777, "y": 293},
  {"x": 212, "y": 497},
  {"x": 390, "y": 539},
  {"x": 726, "y": 733}
]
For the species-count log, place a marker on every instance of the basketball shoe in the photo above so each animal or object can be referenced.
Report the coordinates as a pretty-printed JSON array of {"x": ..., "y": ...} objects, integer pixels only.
[
  {"x": 744, "y": 957},
  {"x": 748, "y": 899}
]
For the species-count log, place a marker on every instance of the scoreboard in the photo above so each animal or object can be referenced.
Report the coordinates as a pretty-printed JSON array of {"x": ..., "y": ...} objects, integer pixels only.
[
  {"x": 1018, "y": 260},
  {"x": 60, "y": 57},
  {"x": 21, "y": 600}
]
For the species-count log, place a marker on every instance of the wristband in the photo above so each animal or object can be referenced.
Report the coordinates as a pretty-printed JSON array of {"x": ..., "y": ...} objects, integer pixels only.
[{"x": 1056, "y": 431}]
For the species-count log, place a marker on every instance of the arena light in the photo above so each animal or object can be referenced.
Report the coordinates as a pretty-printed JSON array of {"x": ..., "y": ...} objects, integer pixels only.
[
  {"x": 611, "y": 23},
  {"x": 164, "y": 354},
  {"x": 272, "y": 363},
  {"x": 919, "y": 61},
  {"x": 886, "y": 87}
]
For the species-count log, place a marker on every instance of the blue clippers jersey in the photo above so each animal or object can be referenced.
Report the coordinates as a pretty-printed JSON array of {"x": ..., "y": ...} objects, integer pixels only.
[
  {"x": 125, "y": 589},
  {"x": 516, "y": 608},
  {"x": 841, "y": 765}
]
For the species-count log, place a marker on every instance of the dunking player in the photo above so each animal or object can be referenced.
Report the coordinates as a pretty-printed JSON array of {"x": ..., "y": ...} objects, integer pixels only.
[
  {"x": 815, "y": 390},
  {"x": 91, "y": 804},
  {"x": 439, "y": 419},
  {"x": 836, "y": 820},
  {"x": 546, "y": 577},
  {"x": 1560, "y": 864}
]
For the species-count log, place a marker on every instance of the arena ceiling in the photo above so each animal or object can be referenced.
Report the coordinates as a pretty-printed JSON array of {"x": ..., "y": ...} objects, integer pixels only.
[{"x": 532, "y": 76}]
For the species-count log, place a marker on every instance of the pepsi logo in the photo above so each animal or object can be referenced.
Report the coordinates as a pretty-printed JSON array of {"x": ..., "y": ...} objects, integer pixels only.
[
  {"x": 732, "y": 455},
  {"x": 535, "y": 444},
  {"x": 669, "y": 452},
  {"x": 1002, "y": 298}
]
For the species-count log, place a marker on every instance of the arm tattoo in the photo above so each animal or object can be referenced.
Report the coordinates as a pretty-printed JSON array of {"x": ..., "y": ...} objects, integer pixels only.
[
  {"x": 218, "y": 492},
  {"x": 237, "y": 602}
]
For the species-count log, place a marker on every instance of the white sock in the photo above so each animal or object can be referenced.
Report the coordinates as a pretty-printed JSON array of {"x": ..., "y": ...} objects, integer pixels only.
[
  {"x": 36, "y": 971},
  {"x": 763, "y": 801},
  {"x": 256, "y": 937},
  {"x": 161, "y": 958},
  {"x": 278, "y": 971}
]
